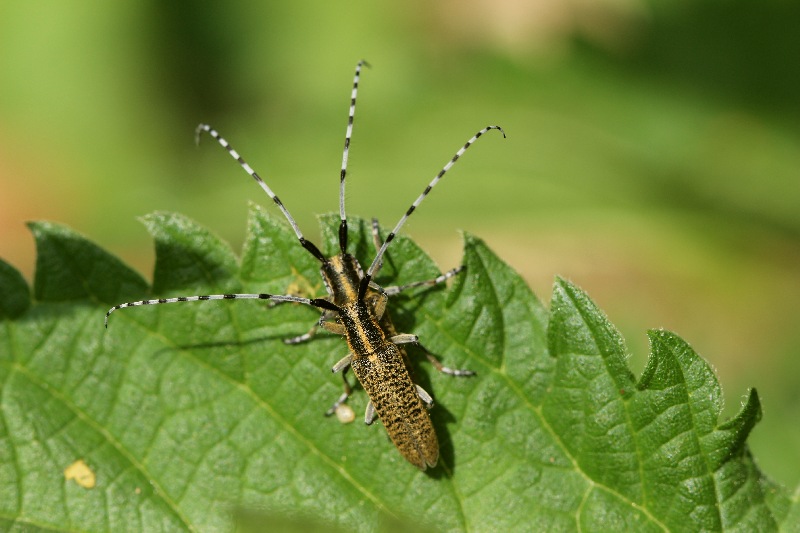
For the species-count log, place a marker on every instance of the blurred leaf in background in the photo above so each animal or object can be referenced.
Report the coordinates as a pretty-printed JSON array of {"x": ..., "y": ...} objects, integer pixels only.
[{"x": 652, "y": 157}]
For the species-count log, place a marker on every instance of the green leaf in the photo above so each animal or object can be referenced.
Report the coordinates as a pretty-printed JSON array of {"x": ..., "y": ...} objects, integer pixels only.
[
  {"x": 196, "y": 416},
  {"x": 14, "y": 294}
]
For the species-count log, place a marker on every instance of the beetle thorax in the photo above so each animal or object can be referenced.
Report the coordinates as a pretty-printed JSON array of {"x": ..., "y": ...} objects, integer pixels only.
[{"x": 342, "y": 275}]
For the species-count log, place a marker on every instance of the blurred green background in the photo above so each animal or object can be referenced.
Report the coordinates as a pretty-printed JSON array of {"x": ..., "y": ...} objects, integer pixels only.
[{"x": 653, "y": 149}]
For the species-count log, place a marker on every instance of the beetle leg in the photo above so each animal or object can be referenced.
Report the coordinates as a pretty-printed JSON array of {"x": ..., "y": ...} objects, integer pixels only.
[{"x": 369, "y": 414}]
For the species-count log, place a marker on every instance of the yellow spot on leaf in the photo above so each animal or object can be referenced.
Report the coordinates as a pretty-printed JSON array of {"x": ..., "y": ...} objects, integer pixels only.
[
  {"x": 301, "y": 286},
  {"x": 81, "y": 473}
]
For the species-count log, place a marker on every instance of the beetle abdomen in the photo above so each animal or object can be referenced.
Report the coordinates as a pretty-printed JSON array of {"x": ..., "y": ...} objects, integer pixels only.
[{"x": 384, "y": 376}]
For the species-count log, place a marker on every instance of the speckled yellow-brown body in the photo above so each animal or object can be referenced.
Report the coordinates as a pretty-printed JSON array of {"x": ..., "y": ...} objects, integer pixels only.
[{"x": 379, "y": 364}]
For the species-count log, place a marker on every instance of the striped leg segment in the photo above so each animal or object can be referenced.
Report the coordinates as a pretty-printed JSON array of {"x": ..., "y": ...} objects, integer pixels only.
[
  {"x": 396, "y": 289},
  {"x": 315, "y": 302},
  {"x": 247, "y": 168},
  {"x": 345, "y": 154},
  {"x": 457, "y": 372},
  {"x": 431, "y": 185},
  {"x": 407, "y": 338}
]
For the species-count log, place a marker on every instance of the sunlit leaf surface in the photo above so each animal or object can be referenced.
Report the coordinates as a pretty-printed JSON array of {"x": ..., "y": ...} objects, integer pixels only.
[{"x": 197, "y": 416}]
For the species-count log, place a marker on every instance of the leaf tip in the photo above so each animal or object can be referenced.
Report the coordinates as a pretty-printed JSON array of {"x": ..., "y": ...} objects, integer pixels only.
[
  {"x": 15, "y": 295},
  {"x": 470, "y": 240}
]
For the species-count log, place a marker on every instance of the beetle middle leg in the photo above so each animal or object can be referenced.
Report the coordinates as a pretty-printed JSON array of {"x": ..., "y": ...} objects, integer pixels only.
[{"x": 406, "y": 338}]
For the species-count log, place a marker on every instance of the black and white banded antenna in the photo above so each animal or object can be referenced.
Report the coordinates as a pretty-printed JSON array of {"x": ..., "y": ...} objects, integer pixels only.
[
  {"x": 320, "y": 303},
  {"x": 375, "y": 262},
  {"x": 345, "y": 154},
  {"x": 308, "y": 245}
]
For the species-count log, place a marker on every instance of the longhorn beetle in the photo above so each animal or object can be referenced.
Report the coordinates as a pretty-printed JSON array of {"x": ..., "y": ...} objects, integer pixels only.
[{"x": 356, "y": 309}]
